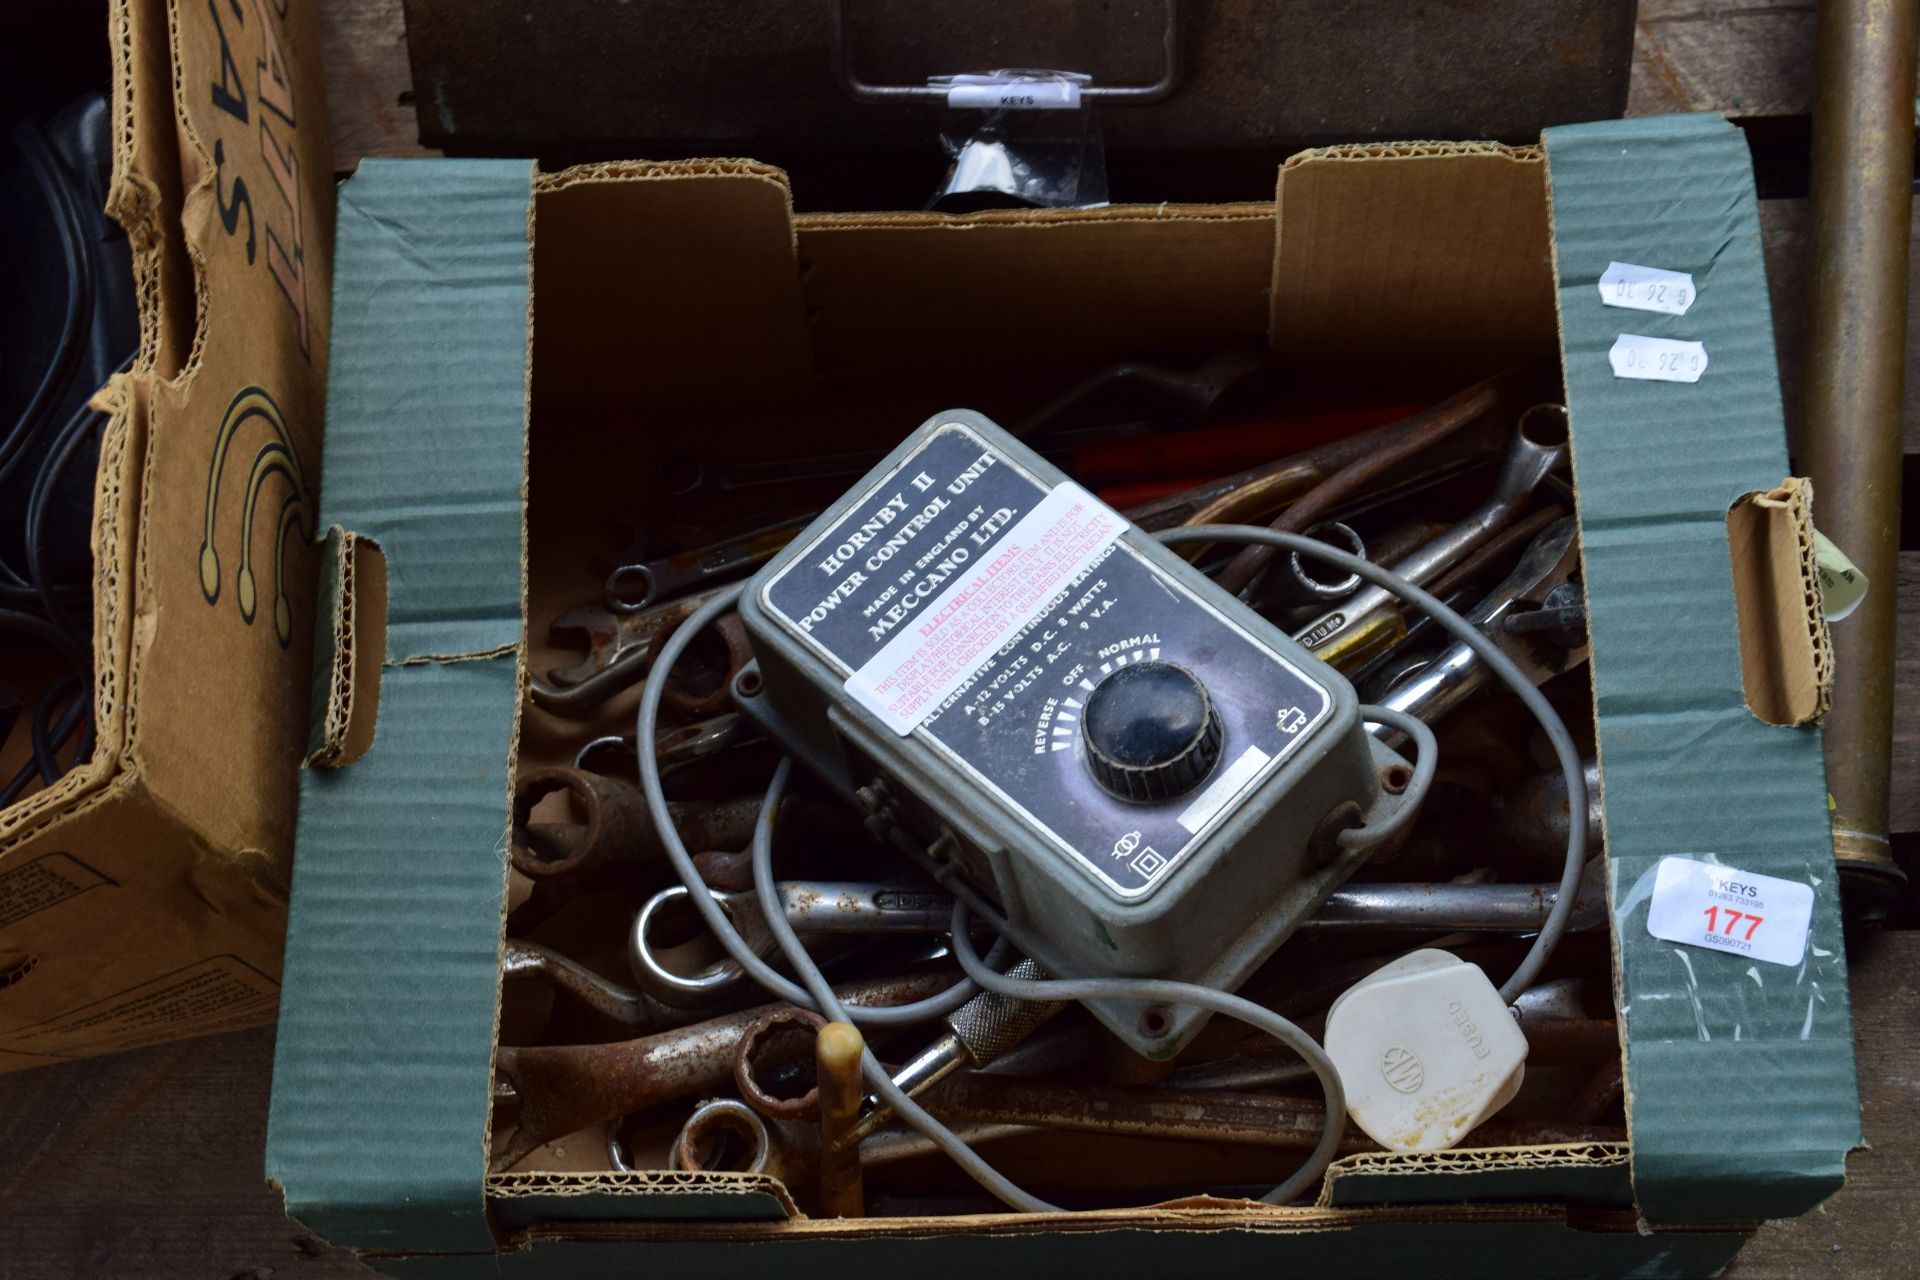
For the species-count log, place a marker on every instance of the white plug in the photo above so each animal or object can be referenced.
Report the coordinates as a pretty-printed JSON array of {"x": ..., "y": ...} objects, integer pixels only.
[{"x": 1426, "y": 1050}]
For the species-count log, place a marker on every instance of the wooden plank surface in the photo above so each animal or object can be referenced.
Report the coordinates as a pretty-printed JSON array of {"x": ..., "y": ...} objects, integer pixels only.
[
  {"x": 1745, "y": 58},
  {"x": 1741, "y": 57},
  {"x": 1906, "y": 697},
  {"x": 150, "y": 1164},
  {"x": 1870, "y": 1228},
  {"x": 369, "y": 86}
]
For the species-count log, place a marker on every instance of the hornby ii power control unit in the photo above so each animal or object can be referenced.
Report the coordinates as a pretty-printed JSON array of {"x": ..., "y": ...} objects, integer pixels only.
[{"x": 1143, "y": 775}]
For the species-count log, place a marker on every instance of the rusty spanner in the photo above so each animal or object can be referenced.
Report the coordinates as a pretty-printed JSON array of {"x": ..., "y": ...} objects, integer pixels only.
[
  {"x": 610, "y": 634},
  {"x": 676, "y": 749},
  {"x": 610, "y": 823},
  {"x": 635, "y": 1011},
  {"x": 834, "y": 907},
  {"x": 560, "y": 1089}
]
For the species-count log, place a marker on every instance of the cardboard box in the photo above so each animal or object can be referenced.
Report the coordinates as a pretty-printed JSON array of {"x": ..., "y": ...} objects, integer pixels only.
[
  {"x": 143, "y": 897},
  {"x": 496, "y": 403}
]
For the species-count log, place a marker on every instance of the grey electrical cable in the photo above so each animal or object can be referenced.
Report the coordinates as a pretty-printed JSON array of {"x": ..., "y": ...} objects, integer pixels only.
[
  {"x": 1502, "y": 666},
  {"x": 1144, "y": 990},
  {"x": 1154, "y": 991},
  {"x": 709, "y": 910},
  {"x": 827, "y": 1004},
  {"x": 817, "y": 994},
  {"x": 1426, "y": 762}
]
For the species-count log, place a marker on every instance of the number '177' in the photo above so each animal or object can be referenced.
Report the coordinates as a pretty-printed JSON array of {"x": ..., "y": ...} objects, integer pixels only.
[{"x": 1734, "y": 918}]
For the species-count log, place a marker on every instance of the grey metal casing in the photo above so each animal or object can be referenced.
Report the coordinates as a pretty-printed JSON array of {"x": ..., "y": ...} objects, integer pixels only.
[{"x": 1241, "y": 885}]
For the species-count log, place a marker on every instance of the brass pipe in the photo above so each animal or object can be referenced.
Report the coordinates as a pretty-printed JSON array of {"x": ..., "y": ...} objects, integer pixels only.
[{"x": 1863, "y": 133}]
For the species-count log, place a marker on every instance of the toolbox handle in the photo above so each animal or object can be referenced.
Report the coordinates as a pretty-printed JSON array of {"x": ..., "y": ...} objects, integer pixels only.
[{"x": 1137, "y": 95}]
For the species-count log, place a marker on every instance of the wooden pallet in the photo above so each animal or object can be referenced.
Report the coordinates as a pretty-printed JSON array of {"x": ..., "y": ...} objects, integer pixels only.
[{"x": 149, "y": 1163}]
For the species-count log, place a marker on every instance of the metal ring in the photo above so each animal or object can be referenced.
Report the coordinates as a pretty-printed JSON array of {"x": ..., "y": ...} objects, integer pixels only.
[
  {"x": 717, "y": 1116},
  {"x": 683, "y": 991},
  {"x": 1339, "y": 533},
  {"x": 619, "y": 600}
]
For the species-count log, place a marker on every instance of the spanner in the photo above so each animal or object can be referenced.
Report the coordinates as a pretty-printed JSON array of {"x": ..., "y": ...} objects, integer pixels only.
[
  {"x": 633, "y": 587},
  {"x": 1351, "y": 631},
  {"x": 675, "y": 749},
  {"x": 812, "y": 907},
  {"x": 1539, "y": 586},
  {"x": 612, "y": 634}
]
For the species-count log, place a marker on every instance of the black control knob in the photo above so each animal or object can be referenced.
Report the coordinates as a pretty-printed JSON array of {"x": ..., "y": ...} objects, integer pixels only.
[{"x": 1150, "y": 731}]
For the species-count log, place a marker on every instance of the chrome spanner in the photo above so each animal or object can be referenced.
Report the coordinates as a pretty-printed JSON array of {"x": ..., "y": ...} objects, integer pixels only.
[
  {"x": 812, "y": 907},
  {"x": 1540, "y": 583}
]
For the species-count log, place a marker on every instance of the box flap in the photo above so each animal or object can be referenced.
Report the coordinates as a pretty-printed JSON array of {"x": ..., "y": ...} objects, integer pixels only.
[
  {"x": 1741, "y": 1096},
  {"x": 382, "y": 1070},
  {"x": 1786, "y": 655},
  {"x": 1594, "y": 1173}
]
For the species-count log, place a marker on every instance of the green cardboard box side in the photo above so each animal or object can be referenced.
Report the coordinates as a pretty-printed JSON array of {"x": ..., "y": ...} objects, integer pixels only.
[{"x": 383, "y": 1063}]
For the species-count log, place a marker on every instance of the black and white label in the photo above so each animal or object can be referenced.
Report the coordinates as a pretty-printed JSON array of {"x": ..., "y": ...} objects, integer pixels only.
[
  {"x": 969, "y": 604},
  {"x": 1008, "y": 91}
]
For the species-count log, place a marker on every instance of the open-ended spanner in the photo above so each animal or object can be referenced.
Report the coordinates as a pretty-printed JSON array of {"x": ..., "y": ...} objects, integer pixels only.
[{"x": 633, "y": 587}]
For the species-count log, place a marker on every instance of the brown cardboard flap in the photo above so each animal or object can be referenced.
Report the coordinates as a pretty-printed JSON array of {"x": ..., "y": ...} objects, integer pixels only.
[
  {"x": 1421, "y": 258},
  {"x": 149, "y": 883},
  {"x": 146, "y": 191},
  {"x": 350, "y": 651},
  {"x": 229, "y": 171},
  {"x": 1590, "y": 1172},
  {"x": 678, "y": 277},
  {"x": 523, "y": 1199},
  {"x": 116, "y": 496},
  {"x": 928, "y": 301},
  {"x": 1786, "y": 661}
]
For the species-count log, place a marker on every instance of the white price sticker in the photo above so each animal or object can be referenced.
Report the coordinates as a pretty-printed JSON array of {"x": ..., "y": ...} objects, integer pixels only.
[
  {"x": 1013, "y": 93},
  {"x": 1657, "y": 359},
  {"x": 1842, "y": 585},
  {"x": 1646, "y": 288},
  {"x": 1704, "y": 904}
]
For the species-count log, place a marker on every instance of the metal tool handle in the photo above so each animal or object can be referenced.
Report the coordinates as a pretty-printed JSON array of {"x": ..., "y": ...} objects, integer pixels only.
[
  {"x": 1457, "y": 673},
  {"x": 1138, "y": 95},
  {"x": 812, "y": 907},
  {"x": 990, "y": 1024},
  {"x": 1458, "y": 908},
  {"x": 978, "y": 1032},
  {"x": 633, "y": 587},
  {"x": 1530, "y": 459}
]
